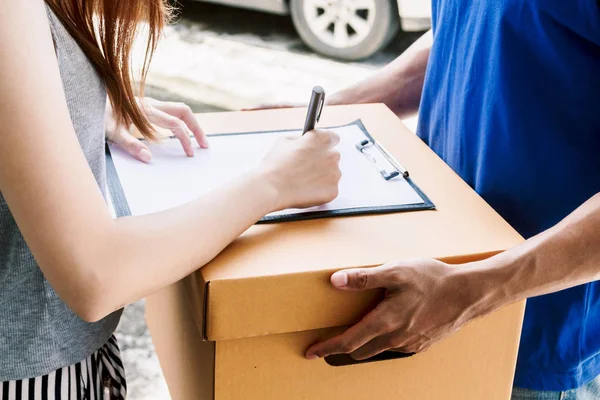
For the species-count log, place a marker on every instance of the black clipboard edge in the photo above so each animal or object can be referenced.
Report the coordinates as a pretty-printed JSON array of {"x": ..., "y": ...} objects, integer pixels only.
[
  {"x": 122, "y": 209},
  {"x": 346, "y": 212}
]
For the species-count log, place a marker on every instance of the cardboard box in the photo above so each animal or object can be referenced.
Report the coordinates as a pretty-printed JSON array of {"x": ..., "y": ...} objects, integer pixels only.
[{"x": 238, "y": 328}]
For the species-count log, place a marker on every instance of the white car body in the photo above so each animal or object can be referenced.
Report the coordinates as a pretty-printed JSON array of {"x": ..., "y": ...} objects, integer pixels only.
[{"x": 415, "y": 15}]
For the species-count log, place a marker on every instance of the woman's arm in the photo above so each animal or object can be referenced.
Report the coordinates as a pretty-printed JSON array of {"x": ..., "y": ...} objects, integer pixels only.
[{"x": 97, "y": 264}]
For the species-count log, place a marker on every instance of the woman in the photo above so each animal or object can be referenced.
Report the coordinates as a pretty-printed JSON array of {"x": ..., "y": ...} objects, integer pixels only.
[{"x": 66, "y": 267}]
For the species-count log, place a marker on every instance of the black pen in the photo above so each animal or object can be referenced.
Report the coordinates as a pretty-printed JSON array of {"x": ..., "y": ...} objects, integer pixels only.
[{"x": 315, "y": 107}]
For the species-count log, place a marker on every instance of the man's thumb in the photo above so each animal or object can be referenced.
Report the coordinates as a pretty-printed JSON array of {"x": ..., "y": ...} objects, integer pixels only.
[{"x": 358, "y": 279}]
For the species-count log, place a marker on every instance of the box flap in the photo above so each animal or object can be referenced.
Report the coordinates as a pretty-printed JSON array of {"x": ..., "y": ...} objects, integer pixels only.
[{"x": 275, "y": 278}]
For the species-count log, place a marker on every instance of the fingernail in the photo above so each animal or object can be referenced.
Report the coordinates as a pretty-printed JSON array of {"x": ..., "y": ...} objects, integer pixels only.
[
  {"x": 311, "y": 356},
  {"x": 145, "y": 155},
  {"x": 339, "y": 279}
]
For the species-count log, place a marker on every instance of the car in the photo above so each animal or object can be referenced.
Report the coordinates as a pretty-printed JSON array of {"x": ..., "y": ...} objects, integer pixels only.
[{"x": 346, "y": 29}]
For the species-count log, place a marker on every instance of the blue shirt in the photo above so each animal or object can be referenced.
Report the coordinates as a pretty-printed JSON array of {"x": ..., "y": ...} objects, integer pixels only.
[{"x": 512, "y": 103}]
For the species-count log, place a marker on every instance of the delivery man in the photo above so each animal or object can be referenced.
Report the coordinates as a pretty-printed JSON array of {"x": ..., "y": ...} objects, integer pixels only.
[{"x": 509, "y": 96}]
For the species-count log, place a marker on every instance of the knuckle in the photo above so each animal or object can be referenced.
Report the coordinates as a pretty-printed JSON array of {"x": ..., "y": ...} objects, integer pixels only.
[
  {"x": 423, "y": 348},
  {"x": 132, "y": 145},
  {"x": 362, "y": 279},
  {"x": 185, "y": 108},
  {"x": 320, "y": 353},
  {"x": 414, "y": 348},
  {"x": 324, "y": 136},
  {"x": 395, "y": 275},
  {"x": 170, "y": 121},
  {"x": 332, "y": 195},
  {"x": 359, "y": 356},
  {"x": 407, "y": 349},
  {"x": 392, "y": 343},
  {"x": 346, "y": 348},
  {"x": 388, "y": 326},
  {"x": 181, "y": 129},
  {"x": 336, "y": 156}
]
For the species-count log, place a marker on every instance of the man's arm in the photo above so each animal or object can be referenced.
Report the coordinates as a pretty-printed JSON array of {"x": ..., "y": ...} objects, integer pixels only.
[
  {"x": 427, "y": 300},
  {"x": 564, "y": 256},
  {"x": 398, "y": 85}
]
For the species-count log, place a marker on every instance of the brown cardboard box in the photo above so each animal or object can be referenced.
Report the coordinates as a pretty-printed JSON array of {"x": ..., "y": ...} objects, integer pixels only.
[{"x": 267, "y": 297}]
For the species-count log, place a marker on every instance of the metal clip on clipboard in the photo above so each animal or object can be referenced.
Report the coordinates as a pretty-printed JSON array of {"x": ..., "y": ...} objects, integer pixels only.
[{"x": 377, "y": 154}]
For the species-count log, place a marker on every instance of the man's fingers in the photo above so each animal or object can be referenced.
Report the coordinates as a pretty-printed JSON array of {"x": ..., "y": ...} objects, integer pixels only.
[
  {"x": 270, "y": 106},
  {"x": 131, "y": 145},
  {"x": 371, "y": 326},
  {"x": 185, "y": 113},
  {"x": 391, "y": 341},
  {"x": 175, "y": 125},
  {"x": 362, "y": 278}
]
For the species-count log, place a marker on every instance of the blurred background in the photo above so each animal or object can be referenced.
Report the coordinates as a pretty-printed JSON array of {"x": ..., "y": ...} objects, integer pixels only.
[{"x": 230, "y": 54}]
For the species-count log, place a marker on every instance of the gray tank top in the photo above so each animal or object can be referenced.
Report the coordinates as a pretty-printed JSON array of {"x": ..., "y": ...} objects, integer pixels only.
[{"x": 38, "y": 332}]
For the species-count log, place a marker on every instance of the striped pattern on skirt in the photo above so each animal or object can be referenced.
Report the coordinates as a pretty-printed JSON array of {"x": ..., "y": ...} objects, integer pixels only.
[{"x": 99, "y": 377}]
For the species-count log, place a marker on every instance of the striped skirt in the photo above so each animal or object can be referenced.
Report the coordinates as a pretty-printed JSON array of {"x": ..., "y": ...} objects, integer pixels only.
[{"x": 99, "y": 377}]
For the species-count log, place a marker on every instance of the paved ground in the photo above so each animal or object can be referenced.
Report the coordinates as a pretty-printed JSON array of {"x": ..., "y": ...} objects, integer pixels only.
[
  {"x": 217, "y": 58},
  {"x": 232, "y": 58}
]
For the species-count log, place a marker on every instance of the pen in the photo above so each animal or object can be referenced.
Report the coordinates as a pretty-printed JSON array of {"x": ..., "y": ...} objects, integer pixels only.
[{"x": 315, "y": 107}]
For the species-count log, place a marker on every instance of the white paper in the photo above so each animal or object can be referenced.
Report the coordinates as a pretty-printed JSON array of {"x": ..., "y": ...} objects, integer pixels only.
[{"x": 172, "y": 178}]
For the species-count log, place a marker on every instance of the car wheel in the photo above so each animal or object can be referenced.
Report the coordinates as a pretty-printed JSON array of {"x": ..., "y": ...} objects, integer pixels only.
[{"x": 345, "y": 29}]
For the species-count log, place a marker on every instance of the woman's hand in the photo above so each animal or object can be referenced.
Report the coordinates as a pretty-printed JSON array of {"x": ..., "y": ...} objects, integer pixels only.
[
  {"x": 175, "y": 117},
  {"x": 304, "y": 171},
  {"x": 425, "y": 302}
]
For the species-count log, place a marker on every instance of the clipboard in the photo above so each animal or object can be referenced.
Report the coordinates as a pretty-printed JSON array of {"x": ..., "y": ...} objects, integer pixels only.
[{"x": 373, "y": 181}]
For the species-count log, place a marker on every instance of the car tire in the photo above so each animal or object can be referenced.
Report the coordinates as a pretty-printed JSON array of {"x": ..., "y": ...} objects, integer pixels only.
[{"x": 380, "y": 23}]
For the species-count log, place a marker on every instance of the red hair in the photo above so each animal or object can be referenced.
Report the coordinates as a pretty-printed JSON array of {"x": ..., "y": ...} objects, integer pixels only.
[{"x": 106, "y": 31}]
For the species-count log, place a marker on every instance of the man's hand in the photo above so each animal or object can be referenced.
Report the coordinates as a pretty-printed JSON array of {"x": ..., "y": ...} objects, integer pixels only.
[
  {"x": 273, "y": 106},
  {"x": 425, "y": 301},
  {"x": 175, "y": 117}
]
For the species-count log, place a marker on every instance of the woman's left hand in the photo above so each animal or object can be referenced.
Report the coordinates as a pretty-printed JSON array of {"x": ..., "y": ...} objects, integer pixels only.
[{"x": 175, "y": 117}]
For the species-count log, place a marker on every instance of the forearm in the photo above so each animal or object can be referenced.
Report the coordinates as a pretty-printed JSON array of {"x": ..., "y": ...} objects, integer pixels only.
[
  {"x": 564, "y": 256},
  {"x": 143, "y": 254},
  {"x": 94, "y": 263},
  {"x": 399, "y": 85}
]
